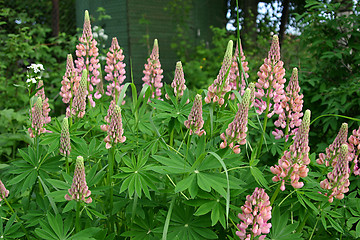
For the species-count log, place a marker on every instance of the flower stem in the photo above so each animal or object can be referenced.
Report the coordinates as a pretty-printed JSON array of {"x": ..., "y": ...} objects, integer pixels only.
[
  {"x": 264, "y": 126},
  {"x": 77, "y": 217},
  {"x": 67, "y": 163},
  {"x": 17, "y": 218},
  {"x": 110, "y": 174}
]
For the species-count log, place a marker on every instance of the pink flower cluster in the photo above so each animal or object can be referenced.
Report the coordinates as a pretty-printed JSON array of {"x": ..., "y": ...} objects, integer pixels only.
[
  {"x": 271, "y": 82},
  {"x": 337, "y": 181},
  {"x": 354, "y": 149},
  {"x": 87, "y": 53},
  {"x": 195, "y": 120},
  {"x": 332, "y": 152},
  {"x": 70, "y": 82},
  {"x": 235, "y": 81},
  {"x": 237, "y": 129},
  {"x": 153, "y": 72},
  {"x": 79, "y": 190},
  {"x": 256, "y": 213},
  {"x": 65, "y": 146},
  {"x": 79, "y": 103},
  {"x": 178, "y": 84},
  {"x": 114, "y": 127},
  {"x": 292, "y": 106},
  {"x": 115, "y": 69},
  {"x": 293, "y": 164},
  {"x": 45, "y": 102},
  {"x": 37, "y": 119},
  {"x": 221, "y": 85},
  {"x": 4, "y": 193}
]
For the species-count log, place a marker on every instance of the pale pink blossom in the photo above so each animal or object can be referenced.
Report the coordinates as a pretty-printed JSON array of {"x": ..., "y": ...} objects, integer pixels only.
[
  {"x": 270, "y": 84},
  {"x": 178, "y": 84},
  {"x": 37, "y": 119},
  {"x": 115, "y": 69},
  {"x": 79, "y": 103},
  {"x": 195, "y": 120},
  {"x": 337, "y": 182},
  {"x": 292, "y": 106},
  {"x": 153, "y": 72},
  {"x": 79, "y": 190},
  {"x": 235, "y": 134},
  {"x": 87, "y": 53},
  {"x": 114, "y": 127},
  {"x": 293, "y": 164},
  {"x": 221, "y": 85},
  {"x": 255, "y": 214},
  {"x": 354, "y": 150}
]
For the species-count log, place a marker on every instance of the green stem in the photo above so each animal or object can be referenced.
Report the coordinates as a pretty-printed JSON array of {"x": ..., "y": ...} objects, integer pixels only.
[
  {"x": 286, "y": 132},
  {"x": 275, "y": 195},
  {"x": 77, "y": 217},
  {"x": 110, "y": 174},
  {"x": 312, "y": 233},
  {"x": 67, "y": 163},
  {"x": 172, "y": 137},
  {"x": 17, "y": 218},
  {"x": 264, "y": 126}
]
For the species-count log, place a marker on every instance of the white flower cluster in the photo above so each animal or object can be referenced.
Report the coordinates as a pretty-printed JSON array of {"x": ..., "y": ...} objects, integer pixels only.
[
  {"x": 35, "y": 73},
  {"x": 99, "y": 32},
  {"x": 36, "y": 67}
]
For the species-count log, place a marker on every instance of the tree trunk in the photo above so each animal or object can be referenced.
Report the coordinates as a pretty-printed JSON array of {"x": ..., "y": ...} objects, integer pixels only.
[
  {"x": 284, "y": 20},
  {"x": 55, "y": 18}
]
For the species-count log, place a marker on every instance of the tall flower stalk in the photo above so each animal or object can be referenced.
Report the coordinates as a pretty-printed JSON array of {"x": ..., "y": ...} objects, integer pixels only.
[
  {"x": 45, "y": 102},
  {"x": 337, "y": 182},
  {"x": 87, "y": 58},
  {"x": 153, "y": 72},
  {"x": 293, "y": 164},
  {"x": 37, "y": 119},
  {"x": 79, "y": 103},
  {"x": 270, "y": 86},
  {"x": 235, "y": 134},
  {"x": 195, "y": 120},
  {"x": 178, "y": 84},
  {"x": 115, "y": 69},
  {"x": 221, "y": 85},
  {"x": 332, "y": 152},
  {"x": 79, "y": 190},
  {"x": 354, "y": 150},
  {"x": 292, "y": 104}
]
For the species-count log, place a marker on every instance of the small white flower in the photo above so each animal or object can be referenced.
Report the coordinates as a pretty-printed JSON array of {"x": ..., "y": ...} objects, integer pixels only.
[
  {"x": 95, "y": 28},
  {"x": 105, "y": 37},
  {"x": 95, "y": 35}
]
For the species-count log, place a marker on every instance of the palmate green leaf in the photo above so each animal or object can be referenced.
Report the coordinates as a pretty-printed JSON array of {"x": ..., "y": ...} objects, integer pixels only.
[
  {"x": 280, "y": 230},
  {"x": 335, "y": 224},
  {"x": 184, "y": 225},
  {"x": 185, "y": 183},
  {"x": 161, "y": 105},
  {"x": 259, "y": 177}
]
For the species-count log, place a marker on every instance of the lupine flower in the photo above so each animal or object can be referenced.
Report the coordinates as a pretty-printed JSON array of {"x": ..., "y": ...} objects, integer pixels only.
[
  {"x": 70, "y": 82},
  {"x": 221, "y": 85},
  {"x": 271, "y": 81},
  {"x": 45, "y": 102},
  {"x": 4, "y": 193},
  {"x": 195, "y": 120},
  {"x": 65, "y": 146},
  {"x": 87, "y": 53},
  {"x": 115, "y": 69},
  {"x": 79, "y": 104},
  {"x": 292, "y": 106},
  {"x": 37, "y": 119},
  {"x": 338, "y": 180},
  {"x": 153, "y": 72},
  {"x": 235, "y": 134},
  {"x": 256, "y": 213},
  {"x": 115, "y": 129},
  {"x": 178, "y": 84},
  {"x": 293, "y": 164},
  {"x": 235, "y": 81},
  {"x": 79, "y": 190},
  {"x": 354, "y": 150},
  {"x": 332, "y": 152}
]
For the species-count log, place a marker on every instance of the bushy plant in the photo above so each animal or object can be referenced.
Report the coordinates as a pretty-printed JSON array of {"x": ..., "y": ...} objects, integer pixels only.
[{"x": 192, "y": 165}]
